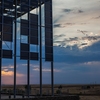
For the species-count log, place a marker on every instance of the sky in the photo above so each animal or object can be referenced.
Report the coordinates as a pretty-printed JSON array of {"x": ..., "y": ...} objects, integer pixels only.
[
  {"x": 76, "y": 31},
  {"x": 77, "y": 41}
]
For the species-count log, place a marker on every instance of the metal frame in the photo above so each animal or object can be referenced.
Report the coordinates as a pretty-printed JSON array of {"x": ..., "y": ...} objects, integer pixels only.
[
  {"x": 40, "y": 49},
  {"x": 16, "y": 15}
]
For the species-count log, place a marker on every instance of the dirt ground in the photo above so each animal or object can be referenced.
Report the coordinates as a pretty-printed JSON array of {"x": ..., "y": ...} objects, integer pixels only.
[{"x": 89, "y": 97}]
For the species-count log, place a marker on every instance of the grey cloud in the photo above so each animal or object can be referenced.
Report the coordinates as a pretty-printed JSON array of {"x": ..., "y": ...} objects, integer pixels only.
[
  {"x": 80, "y": 11},
  {"x": 61, "y": 35},
  {"x": 57, "y": 25},
  {"x": 57, "y": 36},
  {"x": 66, "y": 40},
  {"x": 66, "y": 55},
  {"x": 73, "y": 10},
  {"x": 69, "y": 23},
  {"x": 96, "y": 17},
  {"x": 83, "y": 23},
  {"x": 91, "y": 37},
  {"x": 75, "y": 38},
  {"x": 63, "y": 25},
  {"x": 67, "y": 10},
  {"x": 57, "y": 18}
]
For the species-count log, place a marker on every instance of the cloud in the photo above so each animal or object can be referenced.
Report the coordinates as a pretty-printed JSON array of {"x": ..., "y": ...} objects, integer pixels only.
[
  {"x": 86, "y": 40},
  {"x": 93, "y": 63},
  {"x": 11, "y": 73},
  {"x": 75, "y": 55},
  {"x": 70, "y": 24},
  {"x": 8, "y": 77},
  {"x": 98, "y": 17},
  {"x": 57, "y": 18},
  {"x": 45, "y": 69},
  {"x": 9, "y": 67},
  {"x": 57, "y": 25},
  {"x": 74, "y": 10},
  {"x": 80, "y": 11},
  {"x": 67, "y": 10},
  {"x": 63, "y": 25}
]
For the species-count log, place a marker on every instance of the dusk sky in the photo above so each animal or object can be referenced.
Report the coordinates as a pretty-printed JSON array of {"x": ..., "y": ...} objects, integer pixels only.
[{"x": 76, "y": 47}]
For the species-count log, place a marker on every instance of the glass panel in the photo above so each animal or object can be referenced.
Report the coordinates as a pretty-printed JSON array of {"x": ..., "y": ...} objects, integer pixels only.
[
  {"x": 0, "y": 27},
  {"x": 34, "y": 32},
  {"x": 33, "y": 56},
  {"x": 7, "y": 77},
  {"x": 48, "y": 34},
  {"x": 48, "y": 49},
  {"x": 7, "y": 37},
  {"x": 33, "y": 48},
  {"x": 6, "y": 45},
  {"x": 24, "y": 47},
  {"x": 24, "y": 23},
  {"x": 7, "y": 20},
  {"x": 0, "y": 45},
  {"x": 7, "y": 28},
  {"x": 46, "y": 78},
  {"x": 8, "y": 4},
  {"x": 48, "y": 42},
  {"x": 34, "y": 18},
  {"x": 33, "y": 40},
  {"x": 24, "y": 31},
  {"x": 24, "y": 1},
  {"x": 24, "y": 39},
  {"x": 24, "y": 55},
  {"x": 34, "y": 75},
  {"x": 7, "y": 53},
  {"x": 21, "y": 75},
  {"x": 34, "y": 2},
  {"x": 0, "y": 19},
  {"x": 24, "y": 8},
  {"x": 49, "y": 57}
]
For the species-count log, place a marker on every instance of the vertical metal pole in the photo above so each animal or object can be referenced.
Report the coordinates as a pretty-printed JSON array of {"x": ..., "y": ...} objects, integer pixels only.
[
  {"x": 40, "y": 49},
  {"x": 52, "y": 72},
  {"x": 52, "y": 78},
  {"x": 0, "y": 72},
  {"x": 15, "y": 49},
  {"x": 28, "y": 61},
  {"x": 1, "y": 48}
]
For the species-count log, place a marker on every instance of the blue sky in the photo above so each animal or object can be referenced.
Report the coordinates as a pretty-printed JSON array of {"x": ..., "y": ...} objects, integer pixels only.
[
  {"x": 76, "y": 46},
  {"x": 77, "y": 41}
]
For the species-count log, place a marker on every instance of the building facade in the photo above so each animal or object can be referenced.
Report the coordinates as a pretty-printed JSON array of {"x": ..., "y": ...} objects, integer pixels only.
[{"x": 25, "y": 28}]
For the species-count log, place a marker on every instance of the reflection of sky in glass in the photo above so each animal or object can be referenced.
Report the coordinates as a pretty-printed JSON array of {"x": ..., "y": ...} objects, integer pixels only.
[{"x": 76, "y": 45}]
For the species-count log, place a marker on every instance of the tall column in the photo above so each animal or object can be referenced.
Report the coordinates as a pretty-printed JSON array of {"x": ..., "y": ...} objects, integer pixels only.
[
  {"x": 28, "y": 61},
  {"x": 1, "y": 48},
  {"x": 40, "y": 48},
  {"x": 15, "y": 40}
]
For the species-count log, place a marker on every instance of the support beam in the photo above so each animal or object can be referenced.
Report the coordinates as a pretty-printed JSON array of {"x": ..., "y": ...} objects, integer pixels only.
[
  {"x": 15, "y": 31},
  {"x": 28, "y": 61},
  {"x": 40, "y": 49}
]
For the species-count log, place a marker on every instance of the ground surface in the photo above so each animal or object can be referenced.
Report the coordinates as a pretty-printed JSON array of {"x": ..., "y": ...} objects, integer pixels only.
[{"x": 90, "y": 98}]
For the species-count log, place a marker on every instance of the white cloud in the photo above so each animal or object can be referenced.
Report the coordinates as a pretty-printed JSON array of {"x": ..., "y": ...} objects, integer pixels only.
[
  {"x": 80, "y": 42},
  {"x": 46, "y": 70},
  {"x": 77, "y": 13}
]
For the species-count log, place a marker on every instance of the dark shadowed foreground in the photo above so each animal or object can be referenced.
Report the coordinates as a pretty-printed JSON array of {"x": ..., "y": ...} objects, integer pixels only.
[{"x": 50, "y": 98}]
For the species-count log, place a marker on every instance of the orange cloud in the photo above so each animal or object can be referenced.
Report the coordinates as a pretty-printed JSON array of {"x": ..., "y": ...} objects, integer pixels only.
[
  {"x": 8, "y": 77},
  {"x": 9, "y": 73}
]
